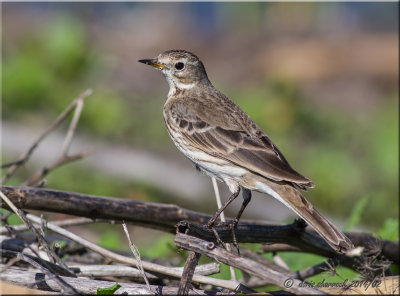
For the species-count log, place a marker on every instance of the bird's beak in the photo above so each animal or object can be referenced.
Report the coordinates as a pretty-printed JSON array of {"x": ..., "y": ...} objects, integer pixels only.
[{"x": 154, "y": 63}]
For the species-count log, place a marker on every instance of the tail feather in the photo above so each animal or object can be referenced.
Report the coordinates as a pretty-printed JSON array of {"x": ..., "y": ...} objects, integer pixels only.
[{"x": 292, "y": 198}]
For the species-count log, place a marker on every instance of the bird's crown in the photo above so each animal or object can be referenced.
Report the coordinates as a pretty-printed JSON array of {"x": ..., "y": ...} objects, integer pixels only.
[{"x": 176, "y": 54}]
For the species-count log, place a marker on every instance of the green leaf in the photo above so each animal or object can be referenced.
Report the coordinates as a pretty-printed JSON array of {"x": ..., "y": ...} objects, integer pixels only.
[
  {"x": 356, "y": 214},
  {"x": 13, "y": 219},
  {"x": 108, "y": 291}
]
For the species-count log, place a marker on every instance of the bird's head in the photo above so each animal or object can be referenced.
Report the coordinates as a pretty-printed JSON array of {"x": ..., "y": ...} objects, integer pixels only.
[{"x": 182, "y": 69}]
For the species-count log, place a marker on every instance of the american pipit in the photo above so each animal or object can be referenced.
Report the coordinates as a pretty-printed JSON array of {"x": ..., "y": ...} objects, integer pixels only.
[{"x": 224, "y": 142}]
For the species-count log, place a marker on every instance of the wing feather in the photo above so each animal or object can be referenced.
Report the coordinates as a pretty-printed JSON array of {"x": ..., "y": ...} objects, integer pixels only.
[{"x": 253, "y": 151}]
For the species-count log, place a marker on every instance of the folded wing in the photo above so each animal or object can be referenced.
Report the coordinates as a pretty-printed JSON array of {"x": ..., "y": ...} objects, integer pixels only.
[{"x": 255, "y": 152}]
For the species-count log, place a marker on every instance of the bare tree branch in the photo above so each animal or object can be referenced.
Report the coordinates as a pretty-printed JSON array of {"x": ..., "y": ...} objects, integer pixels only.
[
  {"x": 63, "y": 159},
  {"x": 64, "y": 286},
  {"x": 84, "y": 286},
  {"x": 211, "y": 250},
  {"x": 165, "y": 216},
  {"x": 61, "y": 223},
  {"x": 123, "y": 270},
  {"x": 13, "y": 166},
  {"x": 41, "y": 239},
  {"x": 188, "y": 271}
]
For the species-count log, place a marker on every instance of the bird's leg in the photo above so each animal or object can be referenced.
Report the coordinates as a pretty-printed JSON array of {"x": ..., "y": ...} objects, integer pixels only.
[
  {"x": 246, "y": 199},
  {"x": 211, "y": 222}
]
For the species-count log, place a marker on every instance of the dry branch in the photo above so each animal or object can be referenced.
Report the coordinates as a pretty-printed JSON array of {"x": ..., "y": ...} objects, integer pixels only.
[
  {"x": 64, "y": 287},
  {"x": 13, "y": 166},
  {"x": 127, "y": 271},
  {"x": 54, "y": 268},
  {"x": 51, "y": 254},
  {"x": 37, "y": 279},
  {"x": 11, "y": 246},
  {"x": 211, "y": 250},
  {"x": 188, "y": 271},
  {"x": 165, "y": 217},
  {"x": 61, "y": 223}
]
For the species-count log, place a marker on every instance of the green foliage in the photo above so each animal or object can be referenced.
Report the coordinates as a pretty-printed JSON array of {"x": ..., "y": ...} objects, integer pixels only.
[
  {"x": 103, "y": 114},
  {"x": 110, "y": 239},
  {"x": 162, "y": 247},
  {"x": 389, "y": 230},
  {"x": 108, "y": 291},
  {"x": 35, "y": 75},
  {"x": 13, "y": 219},
  {"x": 356, "y": 214}
]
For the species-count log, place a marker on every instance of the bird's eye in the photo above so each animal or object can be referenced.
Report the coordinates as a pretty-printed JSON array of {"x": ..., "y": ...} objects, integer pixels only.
[{"x": 179, "y": 66}]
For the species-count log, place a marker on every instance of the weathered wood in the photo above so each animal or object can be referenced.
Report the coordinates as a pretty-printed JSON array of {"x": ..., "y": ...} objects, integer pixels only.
[
  {"x": 188, "y": 271},
  {"x": 38, "y": 280},
  {"x": 99, "y": 270},
  {"x": 56, "y": 269},
  {"x": 154, "y": 215},
  {"x": 10, "y": 246},
  {"x": 209, "y": 249}
]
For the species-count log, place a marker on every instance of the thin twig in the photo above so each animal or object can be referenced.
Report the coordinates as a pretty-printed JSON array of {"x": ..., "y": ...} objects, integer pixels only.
[
  {"x": 278, "y": 260},
  {"x": 327, "y": 265},
  {"x": 61, "y": 223},
  {"x": 280, "y": 247},
  {"x": 136, "y": 253},
  {"x": 25, "y": 156},
  {"x": 54, "y": 268},
  {"x": 65, "y": 287},
  {"x": 63, "y": 159},
  {"x": 9, "y": 264},
  {"x": 72, "y": 128},
  {"x": 302, "y": 274},
  {"x": 262, "y": 260},
  {"x": 42, "y": 240}
]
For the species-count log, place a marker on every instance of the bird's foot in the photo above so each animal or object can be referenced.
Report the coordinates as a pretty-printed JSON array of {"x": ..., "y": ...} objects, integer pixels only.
[{"x": 210, "y": 225}]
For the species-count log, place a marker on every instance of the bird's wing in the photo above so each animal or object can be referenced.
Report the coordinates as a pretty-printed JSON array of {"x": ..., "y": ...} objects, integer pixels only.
[{"x": 256, "y": 153}]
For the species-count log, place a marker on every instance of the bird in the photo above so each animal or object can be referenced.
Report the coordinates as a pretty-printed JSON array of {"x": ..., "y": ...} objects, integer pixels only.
[{"x": 224, "y": 142}]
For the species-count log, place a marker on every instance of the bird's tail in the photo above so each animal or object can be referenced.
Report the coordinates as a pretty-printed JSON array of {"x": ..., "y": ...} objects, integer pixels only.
[{"x": 292, "y": 198}]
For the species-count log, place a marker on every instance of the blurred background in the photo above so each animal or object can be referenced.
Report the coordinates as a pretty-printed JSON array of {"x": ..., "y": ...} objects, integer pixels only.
[{"x": 321, "y": 79}]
